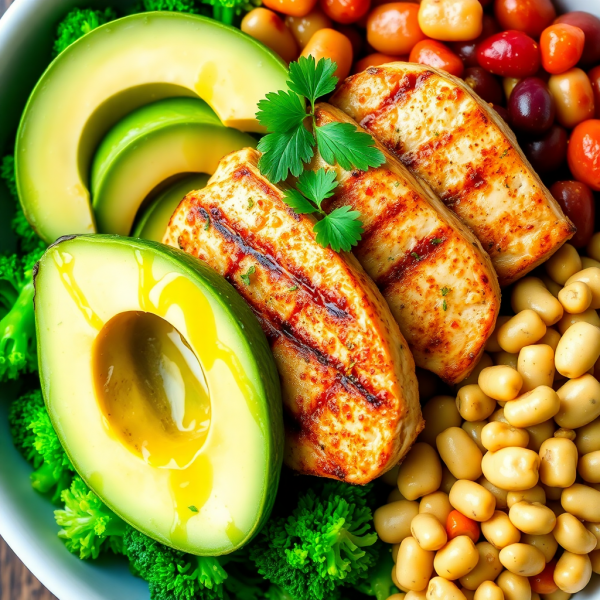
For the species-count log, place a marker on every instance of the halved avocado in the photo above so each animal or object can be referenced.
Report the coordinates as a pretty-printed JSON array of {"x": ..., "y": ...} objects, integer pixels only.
[
  {"x": 113, "y": 70},
  {"x": 155, "y": 219},
  {"x": 162, "y": 388},
  {"x": 151, "y": 145}
]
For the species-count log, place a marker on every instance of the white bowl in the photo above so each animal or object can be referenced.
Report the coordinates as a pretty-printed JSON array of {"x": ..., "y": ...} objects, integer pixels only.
[{"x": 26, "y": 519}]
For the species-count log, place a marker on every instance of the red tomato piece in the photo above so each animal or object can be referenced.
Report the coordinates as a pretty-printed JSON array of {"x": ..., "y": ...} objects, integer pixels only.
[
  {"x": 457, "y": 524},
  {"x": 438, "y": 55},
  {"x": 561, "y": 46},
  {"x": 577, "y": 201},
  {"x": 509, "y": 54},
  {"x": 544, "y": 582},
  {"x": 345, "y": 11},
  {"x": 584, "y": 153},
  {"x": 295, "y": 8},
  {"x": 590, "y": 25},
  {"x": 529, "y": 16}
]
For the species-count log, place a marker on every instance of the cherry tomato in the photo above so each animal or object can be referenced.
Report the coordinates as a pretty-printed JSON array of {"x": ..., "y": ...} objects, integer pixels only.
[
  {"x": 577, "y": 201},
  {"x": 544, "y": 582},
  {"x": 296, "y": 8},
  {"x": 484, "y": 84},
  {"x": 529, "y": 16},
  {"x": 329, "y": 43},
  {"x": 561, "y": 46},
  {"x": 594, "y": 77},
  {"x": 436, "y": 54},
  {"x": 584, "y": 153},
  {"x": 345, "y": 11},
  {"x": 303, "y": 28},
  {"x": 590, "y": 25},
  {"x": 466, "y": 51},
  {"x": 531, "y": 106},
  {"x": 394, "y": 28},
  {"x": 267, "y": 27},
  {"x": 509, "y": 54},
  {"x": 548, "y": 152},
  {"x": 374, "y": 60},
  {"x": 457, "y": 524}
]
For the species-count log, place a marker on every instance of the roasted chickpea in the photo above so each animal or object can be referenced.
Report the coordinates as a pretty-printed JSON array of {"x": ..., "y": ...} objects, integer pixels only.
[
  {"x": 488, "y": 590},
  {"x": 522, "y": 559},
  {"x": 572, "y": 535},
  {"x": 582, "y": 502},
  {"x": 591, "y": 277},
  {"x": 533, "y": 518},
  {"x": 473, "y": 429},
  {"x": 551, "y": 338},
  {"x": 573, "y": 572},
  {"x": 497, "y": 435},
  {"x": 392, "y": 521},
  {"x": 500, "y": 382},
  {"x": 439, "y": 413},
  {"x": 564, "y": 263},
  {"x": 472, "y": 500},
  {"x": 428, "y": 531},
  {"x": 536, "y": 366},
  {"x": 535, "y": 494},
  {"x": 523, "y": 329},
  {"x": 420, "y": 473},
  {"x": 546, "y": 544},
  {"x": 534, "y": 407},
  {"x": 436, "y": 504},
  {"x": 558, "y": 466},
  {"x": 538, "y": 434},
  {"x": 531, "y": 293},
  {"x": 514, "y": 587},
  {"x": 267, "y": 27},
  {"x": 457, "y": 558},
  {"x": 579, "y": 403},
  {"x": 442, "y": 589},
  {"x": 568, "y": 320},
  {"x": 512, "y": 469},
  {"x": 304, "y": 27},
  {"x": 329, "y": 43},
  {"x": 473, "y": 404},
  {"x": 578, "y": 350},
  {"x": 499, "y": 531},
  {"x": 575, "y": 297},
  {"x": 588, "y": 438},
  {"x": 589, "y": 467},
  {"x": 574, "y": 97},
  {"x": 459, "y": 453},
  {"x": 414, "y": 566},
  {"x": 487, "y": 569},
  {"x": 452, "y": 20}
]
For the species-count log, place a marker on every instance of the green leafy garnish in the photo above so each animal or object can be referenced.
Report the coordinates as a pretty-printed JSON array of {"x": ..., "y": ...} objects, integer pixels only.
[
  {"x": 245, "y": 277},
  {"x": 436, "y": 241},
  {"x": 445, "y": 290},
  {"x": 445, "y": 305},
  {"x": 193, "y": 508}
]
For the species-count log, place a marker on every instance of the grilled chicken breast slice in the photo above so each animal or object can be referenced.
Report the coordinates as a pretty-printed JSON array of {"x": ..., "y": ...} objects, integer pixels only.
[
  {"x": 444, "y": 133},
  {"x": 437, "y": 280},
  {"x": 349, "y": 387}
]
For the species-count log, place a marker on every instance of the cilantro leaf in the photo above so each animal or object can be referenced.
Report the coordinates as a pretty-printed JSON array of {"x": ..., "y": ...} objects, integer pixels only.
[
  {"x": 317, "y": 185},
  {"x": 298, "y": 202},
  {"x": 341, "y": 229},
  {"x": 281, "y": 111},
  {"x": 245, "y": 277},
  {"x": 312, "y": 80},
  {"x": 285, "y": 152},
  {"x": 349, "y": 147}
]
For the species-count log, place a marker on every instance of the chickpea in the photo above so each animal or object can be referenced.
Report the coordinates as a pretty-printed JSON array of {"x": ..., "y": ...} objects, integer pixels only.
[
  {"x": 499, "y": 531},
  {"x": 267, "y": 27},
  {"x": 392, "y": 521},
  {"x": 572, "y": 535},
  {"x": 564, "y": 263},
  {"x": 506, "y": 359},
  {"x": 538, "y": 434},
  {"x": 533, "y": 518},
  {"x": 304, "y": 27},
  {"x": 589, "y": 467},
  {"x": 473, "y": 429},
  {"x": 573, "y": 96},
  {"x": 558, "y": 466},
  {"x": 588, "y": 437},
  {"x": 551, "y": 338},
  {"x": 414, "y": 566},
  {"x": 533, "y": 408},
  {"x": 457, "y": 558},
  {"x": 579, "y": 402},
  {"x": 499, "y": 494},
  {"x": 473, "y": 404},
  {"x": 487, "y": 569},
  {"x": 436, "y": 504},
  {"x": 594, "y": 528},
  {"x": 589, "y": 316},
  {"x": 575, "y": 297},
  {"x": 573, "y": 572},
  {"x": 531, "y": 293},
  {"x": 420, "y": 473},
  {"x": 497, "y": 435},
  {"x": 488, "y": 590},
  {"x": 522, "y": 559},
  {"x": 492, "y": 344},
  {"x": 442, "y": 589},
  {"x": 329, "y": 43},
  {"x": 439, "y": 413},
  {"x": 582, "y": 502},
  {"x": 500, "y": 382},
  {"x": 459, "y": 453},
  {"x": 472, "y": 500},
  {"x": 523, "y": 329},
  {"x": 451, "y": 21},
  {"x": 512, "y": 469},
  {"x": 448, "y": 480},
  {"x": 515, "y": 587},
  {"x": 591, "y": 277},
  {"x": 535, "y": 494},
  {"x": 546, "y": 544},
  {"x": 536, "y": 366},
  {"x": 578, "y": 350}
]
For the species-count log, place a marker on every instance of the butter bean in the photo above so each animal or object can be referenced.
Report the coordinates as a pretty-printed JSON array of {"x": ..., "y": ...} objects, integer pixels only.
[
  {"x": 582, "y": 502},
  {"x": 563, "y": 264},
  {"x": 533, "y": 518},
  {"x": 429, "y": 532},
  {"x": 472, "y": 500},
  {"x": 436, "y": 504},
  {"x": 484, "y": 362},
  {"x": 473, "y": 404},
  {"x": 538, "y": 434},
  {"x": 457, "y": 558},
  {"x": 531, "y": 293},
  {"x": 499, "y": 531},
  {"x": 535, "y": 494},
  {"x": 497, "y": 435},
  {"x": 392, "y": 521},
  {"x": 499, "y": 494},
  {"x": 512, "y": 469},
  {"x": 591, "y": 277},
  {"x": 595, "y": 561},
  {"x": 514, "y": 587},
  {"x": 487, "y": 569},
  {"x": 500, "y": 382},
  {"x": 532, "y": 408},
  {"x": 558, "y": 466},
  {"x": 546, "y": 544},
  {"x": 575, "y": 297},
  {"x": 551, "y": 338},
  {"x": 488, "y": 590},
  {"x": 414, "y": 565},
  {"x": 578, "y": 350},
  {"x": 587, "y": 316},
  {"x": 506, "y": 359},
  {"x": 522, "y": 559},
  {"x": 439, "y": 413},
  {"x": 442, "y": 589},
  {"x": 420, "y": 473},
  {"x": 473, "y": 429},
  {"x": 492, "y": 344},
  {"x": 573, "y": 572},
  {"x": 451, "y": 21},
  {"x": 572, "y": 535},
  {"x": 523, "y": 329},
  {"x": 579, "y": 402},
  {"x": 536, "y": 366},
  {"x": 588, "y": 437},
  {"x": 459, "y": 453},
  {"x": 589, "y": 467}
]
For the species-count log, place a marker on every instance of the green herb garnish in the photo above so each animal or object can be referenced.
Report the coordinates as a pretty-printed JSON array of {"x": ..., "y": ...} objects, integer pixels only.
[
  {"x": 193, "y": 509},
  {"x": 245, "y": 277}
]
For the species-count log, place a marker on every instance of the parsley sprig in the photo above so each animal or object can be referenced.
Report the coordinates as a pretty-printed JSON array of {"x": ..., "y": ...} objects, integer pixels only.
[{"x": 291, "y": 141}]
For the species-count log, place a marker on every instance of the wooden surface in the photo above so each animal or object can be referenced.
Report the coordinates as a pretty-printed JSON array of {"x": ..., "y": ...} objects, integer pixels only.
[{"x": 16, "y": 582}]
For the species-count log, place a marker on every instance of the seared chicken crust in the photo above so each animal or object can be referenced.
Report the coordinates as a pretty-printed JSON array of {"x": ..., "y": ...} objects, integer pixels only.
[
  {"x": 432, "y": 271},
  {"x": 445, "y": 134},
  {"x": 349, "y": 388}
]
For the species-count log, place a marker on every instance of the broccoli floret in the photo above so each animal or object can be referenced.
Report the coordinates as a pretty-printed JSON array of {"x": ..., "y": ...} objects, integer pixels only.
[
  {"x": 379, "y": 579},
  {"x": 188, "y": 6},
  {"x": 34, "y": 436},
  {"x": 7, "y": 172},
  {"x": 276, "y": 593},
  {"x": 226, "y": 10},
  {"x": 324, "y": 544},
  {"x": 77, "y": 23},
  {"x": 88, "y": 525}
]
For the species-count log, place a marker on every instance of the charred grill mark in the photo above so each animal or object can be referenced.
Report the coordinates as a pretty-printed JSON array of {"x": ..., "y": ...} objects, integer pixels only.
[
  {"x": 474, "y": 180},
  {"x": 394, "y": 208}
]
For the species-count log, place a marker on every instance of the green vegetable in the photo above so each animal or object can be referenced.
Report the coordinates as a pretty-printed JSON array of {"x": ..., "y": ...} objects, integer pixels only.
[
  {"x": 35, "y": 438},
  {"x": 188, "y": 6},
  {"x": 325, "y": 543},
  {"x": 379, "y": 580},
  {"x": 77, "y": 23},
  {"x": 290, "y": 144},
  {"x": 226, "y": 10}
]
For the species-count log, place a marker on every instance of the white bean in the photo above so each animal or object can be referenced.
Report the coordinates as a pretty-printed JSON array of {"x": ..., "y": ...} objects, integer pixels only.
[{"x": 578, "y": 350}]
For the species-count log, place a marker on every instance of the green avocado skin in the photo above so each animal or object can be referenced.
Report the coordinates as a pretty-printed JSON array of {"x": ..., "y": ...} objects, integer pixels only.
[{"x": 253, "y": 346}]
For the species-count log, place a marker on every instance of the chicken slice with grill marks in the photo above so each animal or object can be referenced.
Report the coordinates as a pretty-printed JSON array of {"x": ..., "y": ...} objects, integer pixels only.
[
  {"x": 349, "y": 388},
  {"x": 444, "y": 133},
  {"x": 437, "y": 280}
]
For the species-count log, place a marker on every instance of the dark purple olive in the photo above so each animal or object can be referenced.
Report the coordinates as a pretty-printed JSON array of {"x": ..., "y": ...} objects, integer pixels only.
[
  {"x": 467, "y": 51},
  {"x": 531, "y": 106},
  {"x": 503, "y": 113},
  {"x": 484, "y": 84},
  {"x": 549, "y": 152}
]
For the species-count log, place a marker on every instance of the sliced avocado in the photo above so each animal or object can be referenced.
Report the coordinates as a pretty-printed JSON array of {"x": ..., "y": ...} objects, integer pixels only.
[
  {"x": 162, "y": 388},
  {"x": 151, "y": 145},
  {"x": 155, "y": 219},
  {"x": 110, "y": 72}
]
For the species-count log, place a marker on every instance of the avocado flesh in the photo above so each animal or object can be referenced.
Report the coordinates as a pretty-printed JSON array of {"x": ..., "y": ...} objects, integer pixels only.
[
  {"x": 155, "y": 219},
  {"x": 151, "y": 145},
  {"x": 112, "y": 71},
  {"x": 208, "y": 438}
]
